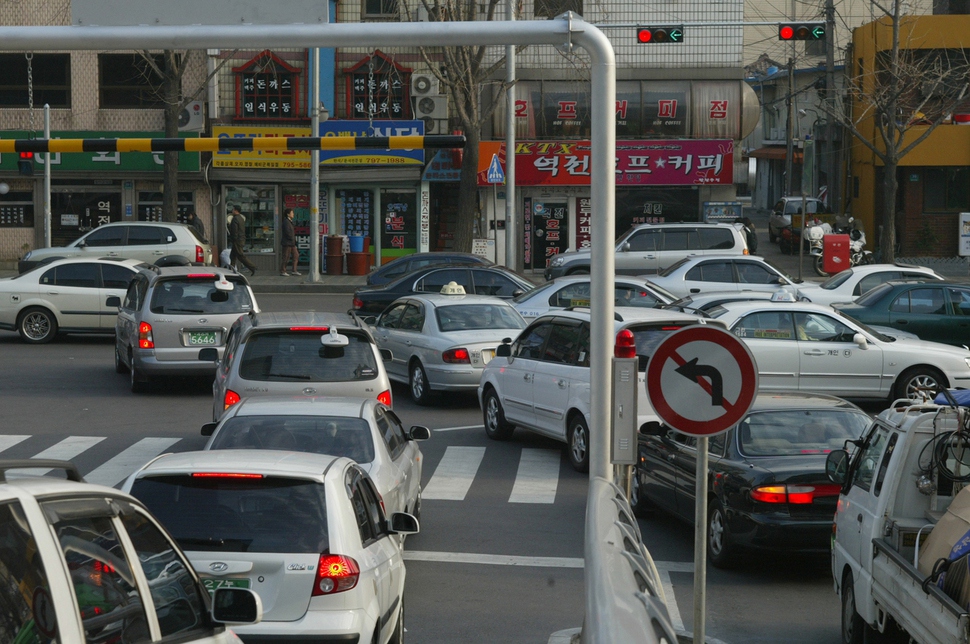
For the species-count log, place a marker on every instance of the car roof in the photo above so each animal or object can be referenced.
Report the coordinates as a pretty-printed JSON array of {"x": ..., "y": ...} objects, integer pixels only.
[
  {"x": 32, "y": 485},
  {"x": 768, "y": 401},
  {"x": 182, "y": 271},
  {"x": 437, "y": 299},
  {"x": 286, "y": 319},
  {"x": 304, "y": 406},
  {"x": 628, "y": 314},
  {"x": 741, "y": 308},
  {"x": 251, "y": 461},
  {"x": 131, "y": 263},
  {"x": 676, "y": 224}
]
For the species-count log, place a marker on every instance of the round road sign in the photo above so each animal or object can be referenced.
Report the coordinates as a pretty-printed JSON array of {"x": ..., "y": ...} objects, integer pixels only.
[{"x": 701, "y": 380}]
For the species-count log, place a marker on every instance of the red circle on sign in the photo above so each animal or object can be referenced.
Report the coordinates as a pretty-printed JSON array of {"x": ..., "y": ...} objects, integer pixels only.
[
  {"x": 43, "y": 609},
  {"x": 734, "y": 411}
]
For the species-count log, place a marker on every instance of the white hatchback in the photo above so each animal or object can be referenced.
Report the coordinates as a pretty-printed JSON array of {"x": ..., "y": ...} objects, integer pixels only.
[
  {"x": 849, "y": 284},
  {"x": 723, "y": 273}
]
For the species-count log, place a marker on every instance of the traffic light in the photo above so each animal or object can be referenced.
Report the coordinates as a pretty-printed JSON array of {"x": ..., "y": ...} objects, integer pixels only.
[
  {"x": 25, "y": 164},
  {"x": 801, "y": 31},
  {"x": 667, "y": 34}
]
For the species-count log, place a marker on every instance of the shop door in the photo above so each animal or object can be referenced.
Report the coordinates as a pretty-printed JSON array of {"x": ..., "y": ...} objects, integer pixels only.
[
  {"x": 75, "y": 213},
  {"x": 546, "y": 231},
  {"x": 444, "y": 215},
  {"x": 356, "y": 209},
  {"x": 399, "y": 233},
  {"x": 299, "y": 200}
]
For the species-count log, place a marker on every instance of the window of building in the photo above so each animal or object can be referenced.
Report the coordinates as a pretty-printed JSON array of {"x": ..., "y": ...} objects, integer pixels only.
[
  {"x": 379, "y": 9},
  {"x": 267, "y": 88},
  {"x": 553, "y": 8},
  {"x": 50, "y": 75},
  {"x": 946, "y": 189},
  {"x": 128, "y": 81},
  {"x": 378, "y": 88}
]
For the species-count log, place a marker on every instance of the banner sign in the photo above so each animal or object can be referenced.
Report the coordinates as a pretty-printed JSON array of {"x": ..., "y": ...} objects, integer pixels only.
[
  {"x": 285, "y": 159},
  {"x": 371, "y": 128},
  {"x": 102, "y": 161}
]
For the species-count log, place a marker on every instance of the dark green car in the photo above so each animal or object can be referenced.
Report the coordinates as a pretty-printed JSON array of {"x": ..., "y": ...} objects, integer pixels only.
[{"x": 933, "y": 310}]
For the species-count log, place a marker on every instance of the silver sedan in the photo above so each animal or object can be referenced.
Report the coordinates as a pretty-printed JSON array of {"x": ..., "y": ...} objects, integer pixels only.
[{"x": 573, "y": 290}]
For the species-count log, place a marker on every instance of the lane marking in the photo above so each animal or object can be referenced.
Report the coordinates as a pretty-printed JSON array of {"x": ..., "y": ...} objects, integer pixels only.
[
  {"x": 493, "y": 560},
  {"x": 673, "y": 612},
  {"x": 63, "y": 451},
  {"x": 538, "y": 476},
  {"x": 454, "y": 475},
  {"x": 124, "y": 463},
  {"x": 6, "y": 442},
  {"x": 454, "y": 429}
]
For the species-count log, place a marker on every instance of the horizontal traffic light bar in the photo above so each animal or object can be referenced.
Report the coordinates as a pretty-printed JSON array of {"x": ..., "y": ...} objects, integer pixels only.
[
  {"x": 801, "y": 31},
  {"x": 660, "y": 35},
  {"x": 411, "y": 142}
]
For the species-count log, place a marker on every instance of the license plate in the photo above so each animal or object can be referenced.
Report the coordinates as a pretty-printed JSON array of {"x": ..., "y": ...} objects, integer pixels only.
[
  {"x": 202, "y": 337},
  {"x": 211, "y": 584},
  {"x": 487, "y": 354}
]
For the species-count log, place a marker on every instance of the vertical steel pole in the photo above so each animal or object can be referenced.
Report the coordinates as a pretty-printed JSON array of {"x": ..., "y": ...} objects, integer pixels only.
[
  {"x": 47, "y": 179},
  {"x": 314, "y": 272},
  {"x": 511, "y": 226},
  {"x": 700, "y": 541}
]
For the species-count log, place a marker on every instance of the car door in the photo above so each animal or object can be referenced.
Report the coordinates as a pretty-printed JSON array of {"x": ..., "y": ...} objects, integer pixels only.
[
  {"x": 755, "y": 276},
  {"x": 381, "y": 565},
  {"x": 387, "y": 338},
  {"x": 103, "y": 242},
  {"x": 831, "y": 362},
  {"x": 554, "y": 375},
  {"x": 771, "y": 337},
  {"x": 685, "y": 469},
  {"x": 921, "y": 310},
  {"x": 148, "y": 243},
  {"x": 678, "y": 242},
  {"x": 114, "y": 283},
  {"x": 639, "y": 253},
  {"x": 658, "y": 476},
  {"x": 710, "y": 275},
  {"x": 74, "y": 291},
  {"x": 958, "y": 321},
  {"x": 126, "y": 333},
  {"x": 516, "y": 380},
  {"x": 404, "y": 461}
]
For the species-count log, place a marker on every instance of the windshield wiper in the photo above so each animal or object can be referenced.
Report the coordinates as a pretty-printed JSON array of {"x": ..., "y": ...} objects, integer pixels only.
[{"x": 184, "y": 310}]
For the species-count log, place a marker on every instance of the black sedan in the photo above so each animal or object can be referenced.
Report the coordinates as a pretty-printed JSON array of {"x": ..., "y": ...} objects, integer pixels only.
[
  {"x": 481, "y": 280},
  {"x": 767, "y": 488},
  {"x": 410, "y": 263}
]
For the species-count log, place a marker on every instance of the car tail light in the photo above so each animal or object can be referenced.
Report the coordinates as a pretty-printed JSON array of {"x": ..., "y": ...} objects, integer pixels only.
[
  {"x": 145, "y": 339},
  {"x": 230, "y": 399},
  {"x": 200, "y": 255},
  {"x": 456, "y": 356},
  {"x": 626, "y": 345},
  {"x": 225, "y": 475},
  {"x": 315, "y": 329},
  {"x": 358, "y": 304},
  {"x": 794, "y": 494},
  {"x": 335, "y": 574},
  {"x": 197, "y": 276},
  {"x": 384, "y": 397}
]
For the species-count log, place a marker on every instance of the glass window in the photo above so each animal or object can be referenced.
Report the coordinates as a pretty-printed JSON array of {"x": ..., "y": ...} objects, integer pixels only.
[
  {"x": 130, "y": 81},
  {"x": 816, "y": 327},
  {"x": 900, "y": 304},
  {"x": 874, "y": 295},
  {"x": 289, "y": 356},
  {"x": 715, "y": 445},
  {"x": 946, "y": 189},
  {"x": 836, "y": 280},
  {"x": 874, "y": 280},
  {"x": 378, "y": 87},
  {"x": 927, "y": 301},
  {"x": 199, "y": 295},
  {"x": 716, "y": 239},
  {"x": 766, "y": 325},
  {"x": 798, "y": 432},
  {"x": 529, "y": 345},
  {"x": 433, "y": 281},
  {"x": 752, "y": 273},
  {"x": 50, "y": 78},
  {"x": 149, "y": 236},
  {"x": 711, "y": 272},
  {"x": 267, "y": 88},
  {"x": 582, "y": 359},
  {"x": 49, "y": 276},
  {"x": 365, "y": 527},
  {"x": 571, "y": 295},
  {"x": 335, "y": 435},
  {"x": 109, "y": 236},
  {"x": 680, "y": 239},
  {"x": 113, "y": 276},
  {"x": 463, "y": 317},
  {"x": 564, "y": 344},
  {"x": 391, "y": 319},
  {"x": 959, "y": 301},
  {"x": 886, "y": 460},
  {"x": 25, "y": 595},
  {"x": 865, "y": 468},
  {"x": 391, "y": 431},
  {"x": 78, "y": 275},
  {"x": 634, "y": 296},
  {"x": 647, "y": 338},
  {"x": 644, "y": 241},
  {"x": 379, "y": 8},
  {"x": 553, "y": 8},
  {"x": 494, "y": 283},
  {"x": 232, "y": 345},
  {"x": 413, "y": 318}
]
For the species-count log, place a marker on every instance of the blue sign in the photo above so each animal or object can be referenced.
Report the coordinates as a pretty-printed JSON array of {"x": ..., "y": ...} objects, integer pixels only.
[
  {"x": 371, "y": 128},
  {"x": 442, "y": 168},
  {"x": 495, "y": 172}
]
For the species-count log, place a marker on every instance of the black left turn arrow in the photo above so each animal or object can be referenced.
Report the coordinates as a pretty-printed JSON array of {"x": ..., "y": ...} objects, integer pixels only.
[{"x": 693, "y": 371}]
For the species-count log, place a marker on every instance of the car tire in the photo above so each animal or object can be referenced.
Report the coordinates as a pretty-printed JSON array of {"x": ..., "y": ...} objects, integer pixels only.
[
  {"x": 139, "y": 384},
  {"x": 37, "y": 325},
  {"x": 577, "y": 443},
  {"x": 416, "y": 510},
  {"x": 911, "y": 381},
  {"x": 854, "y": 628},
  {"x": 418, "y": 384},
  {"x": 397, "y": 637},
  {"x": 584, "y": 270},
  {"x": 720, "y": 551},
  {"x": 641, "y": 506},
  {"x": 119, "y": 363},
  {"x": 819, "y": 265},
  {"x": 496, "y": 427}
]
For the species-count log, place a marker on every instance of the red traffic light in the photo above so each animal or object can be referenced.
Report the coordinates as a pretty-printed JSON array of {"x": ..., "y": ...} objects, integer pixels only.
[
  {"x": 26, "y": 156},
  {"x": 786, "y": 32},
  {"x": 644, "y": 35},
  {"x": 660, "y": 34},
  {"x": 802, "y": 31}
]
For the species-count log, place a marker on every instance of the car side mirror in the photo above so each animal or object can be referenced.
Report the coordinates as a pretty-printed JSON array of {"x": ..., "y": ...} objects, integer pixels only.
[
  {"x": 369, "y": 319},
  {"x": 208, "y": 428},
  {"x": 82, "y": 244},
  {"x": 236, "y": 606},
  {"x": 653, "y": 428},
  {"x": 517, "y": 292},
  {"x": 419, "y": 433},
  {"x": 403, "y": 523},
  {"x": 114, "y": 301},
  {"x": 860, "y": 341},
  {"x": 624, "y": 247},
  {"x": 208, "y": 354},
  {"x": 837, "y": 465},
  {"x": 504, "y": 350},
  {"x": 386, "y": 355}
]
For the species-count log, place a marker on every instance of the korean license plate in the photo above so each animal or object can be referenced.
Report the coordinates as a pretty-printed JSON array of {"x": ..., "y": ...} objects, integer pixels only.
[
  {"x": 212, "y": 584},
  {"x": 487, "y": 354},
  {"x": 202, "y": 337}
]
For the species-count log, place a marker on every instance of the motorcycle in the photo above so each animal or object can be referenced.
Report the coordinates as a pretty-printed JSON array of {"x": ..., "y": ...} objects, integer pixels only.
[{"x": 857, "y": 244}]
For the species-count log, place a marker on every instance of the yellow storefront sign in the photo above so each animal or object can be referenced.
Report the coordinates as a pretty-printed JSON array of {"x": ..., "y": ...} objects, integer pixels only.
[{"x": 283, "y": 159}]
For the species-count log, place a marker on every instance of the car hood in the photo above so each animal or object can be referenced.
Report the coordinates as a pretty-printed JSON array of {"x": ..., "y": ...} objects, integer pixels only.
[
  {"x": 925, "y": 346},
  {"x": 570, "y": 255}
]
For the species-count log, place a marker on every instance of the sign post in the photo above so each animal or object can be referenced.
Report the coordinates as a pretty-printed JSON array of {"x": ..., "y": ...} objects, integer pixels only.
[
  {"x": 701, "y": 381},
  {"x": 495, "y": 176}
]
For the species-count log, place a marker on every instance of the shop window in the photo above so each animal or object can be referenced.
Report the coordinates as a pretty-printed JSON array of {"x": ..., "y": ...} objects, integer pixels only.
[
  {"x": 379, "y": 9},
  {"x": 129, "y": 81},
  {"x": 946, "y": 189},
  {"x": 267, "y": 89},
  {"x": 553, "y": 8},
  {"x": 258, "y": 205},
  {"x": 17, "y": 210},
  {"x": 150, "y": 206},
  {"x": 378, "y": 89},
  {"x": 50, "y": 75}
]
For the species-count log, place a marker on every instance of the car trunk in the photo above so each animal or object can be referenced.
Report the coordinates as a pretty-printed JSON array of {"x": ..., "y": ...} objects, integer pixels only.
[{"x": 478, "y": 351}]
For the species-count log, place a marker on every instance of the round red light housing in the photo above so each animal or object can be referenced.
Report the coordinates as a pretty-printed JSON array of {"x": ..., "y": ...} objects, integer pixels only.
[{"x": 626, "y": 345}]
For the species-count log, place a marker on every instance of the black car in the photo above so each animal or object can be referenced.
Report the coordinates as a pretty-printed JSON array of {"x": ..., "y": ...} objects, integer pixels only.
[
  {"x": 767, "y": 488},
  {"x": 480, "y": 280},
  {"x": 410, "y": 263}
]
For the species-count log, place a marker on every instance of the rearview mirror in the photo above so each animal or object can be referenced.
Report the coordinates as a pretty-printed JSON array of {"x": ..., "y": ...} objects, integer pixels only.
[
  {"x": 403, "y": 523},
  {"x": 652, "y": 428},
  {"x": 114, "y": 301},
  {"x": 624, "y": 247},
  {"x": 236, "y": 606},
  {"x": 836, "y": 466},
  {"x": 503, "y": 350},
  {"x": 419, "y": 433},
  {"x": 386, "y": 355},
  {"x": 208, "y": 428}
]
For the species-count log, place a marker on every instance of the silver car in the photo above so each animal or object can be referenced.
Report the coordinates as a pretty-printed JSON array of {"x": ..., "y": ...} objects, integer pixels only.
[
  {"x": 169, "y": 314},
  {"x": 439, "y": 342},
  {"x": 573, "y": 290},
  {"x": 297, "y": 354},
  {"x": 361, "y": 429}
]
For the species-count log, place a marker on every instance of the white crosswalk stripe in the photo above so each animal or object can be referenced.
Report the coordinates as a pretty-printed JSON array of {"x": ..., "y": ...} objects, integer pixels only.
[
  {"x": 454, "y": 475},
  {"x": 118, "y": 468},
  {"x": 63, "y": 451},
  {"x": 538, "y": 476},
  {"x": 6, "y": 442}
]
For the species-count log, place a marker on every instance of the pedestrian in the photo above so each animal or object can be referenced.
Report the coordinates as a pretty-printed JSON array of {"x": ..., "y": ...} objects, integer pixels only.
[
  {"x": 288, "y": 243},
  {"x": 194, "y": 221},
  {"x": 237, "y": 238}
]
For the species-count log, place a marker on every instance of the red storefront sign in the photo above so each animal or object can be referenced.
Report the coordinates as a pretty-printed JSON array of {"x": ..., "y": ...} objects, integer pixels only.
[{"x": 648, "y": 163}]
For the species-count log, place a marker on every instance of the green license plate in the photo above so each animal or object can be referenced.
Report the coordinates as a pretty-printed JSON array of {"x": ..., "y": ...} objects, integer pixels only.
[
  {"x": 211, "y": 584},
  {"x": 207, "y": 337}
]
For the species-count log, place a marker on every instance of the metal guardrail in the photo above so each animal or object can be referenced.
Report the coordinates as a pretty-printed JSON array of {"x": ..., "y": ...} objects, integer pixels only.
[{"x": 625, "y": 600}]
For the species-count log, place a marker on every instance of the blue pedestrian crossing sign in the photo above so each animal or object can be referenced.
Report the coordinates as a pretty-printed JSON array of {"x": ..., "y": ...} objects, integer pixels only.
[{"x": 495, "y": 172}]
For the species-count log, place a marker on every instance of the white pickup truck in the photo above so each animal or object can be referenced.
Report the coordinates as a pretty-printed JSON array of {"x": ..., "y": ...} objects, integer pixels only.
[{"x": 892, "y": 497}]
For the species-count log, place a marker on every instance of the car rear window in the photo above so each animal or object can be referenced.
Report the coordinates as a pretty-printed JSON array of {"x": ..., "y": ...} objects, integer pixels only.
[
  {"x": 228, "y": 514},
  {"x": 335, "y": 435},
  {"x": 873, "y": 295},
  {"x": 466, "y": 317},
  {"x": 799, "y": 432},
  {"x": 291, "y": 356},
  {"x": 716, "y": 239},
  {"x": 648, "y": 338},
  {"x": 199, "y": 295}
]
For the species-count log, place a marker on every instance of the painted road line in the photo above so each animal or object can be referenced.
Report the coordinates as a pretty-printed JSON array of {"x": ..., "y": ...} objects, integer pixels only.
[
  {"x": 538, "y": 476},
  {"x": 454, "y": 474},
  {"x": 64, "y": 451},
  {"x": 118, "y": 468},
  {"x": 6, "y": 442},
  {"x": 493, "y": 560},
  {"x": 455, "y": 429}
]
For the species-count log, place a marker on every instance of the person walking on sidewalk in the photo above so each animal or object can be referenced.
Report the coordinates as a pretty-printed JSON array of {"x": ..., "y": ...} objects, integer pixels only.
[
  {"x": 237, "y": 237},
  {"x": 288, "y": 243},
  {"x": 195, "y": 222}
]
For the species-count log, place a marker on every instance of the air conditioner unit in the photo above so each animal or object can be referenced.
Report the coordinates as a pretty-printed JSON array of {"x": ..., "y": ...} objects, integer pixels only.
[
  {"x": 435, "y": 126},
  {"x": 433, "y": 106},
  {"x": 423, "y": 84},
  {"x": 192, "y": 117}
]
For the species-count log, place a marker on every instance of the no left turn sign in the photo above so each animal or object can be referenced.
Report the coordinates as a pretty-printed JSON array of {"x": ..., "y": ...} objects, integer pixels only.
[{"x": 701, "y": 380}]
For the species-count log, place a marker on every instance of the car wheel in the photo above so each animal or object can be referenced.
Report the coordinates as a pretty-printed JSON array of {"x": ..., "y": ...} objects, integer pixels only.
[
  {"x": 579, "y": 271},
  {"x": 641, "y": 506},
  {"x": 119, "y": 363},
  {"x": 784, "y": 246},
  {"x": 416, "y": 510},
  {"x": 397, "y": 637},
  {"x": 37, "y": 325},
  {"x": 854, "y": 628},
  {"x": 496, "y": 427},
  {"x": 913, "y": 383},
  {"x": 418, "y": 384},
  {"x": 819, "y": 264},
  {"x": 577, "y": 444},
  {"x": 139, "y": 384},
  {"x": 720, "y": 551}
]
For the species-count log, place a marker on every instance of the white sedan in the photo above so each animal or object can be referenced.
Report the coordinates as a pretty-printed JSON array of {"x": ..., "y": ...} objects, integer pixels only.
[
  {"x": 435, "y": 342},
  {"x": 573, "y": 290},
  {"x": 66, "y": 296},
  {"x": 853, "y": 282},
  {"x": 722, "y": 273},
  {"x": 810, "y": 347},
  {"x": 361, "y": 429}
]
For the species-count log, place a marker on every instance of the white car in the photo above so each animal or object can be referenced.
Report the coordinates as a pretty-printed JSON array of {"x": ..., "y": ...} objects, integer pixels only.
[
  {"x": 541, "y": 381},
  {"x": 573, "y": 290},
  {"x": 361, "y": 429},
  {"x": 65, "y": 296},
  {"x": 722, "y": 273},
  {"x": 437, "y": 342},
  {"x": 810, "y": 347},
  {"x": 87, "y": 563},
  {"x": 849, "y": 284},
  {"x": 305, "y": 531}
]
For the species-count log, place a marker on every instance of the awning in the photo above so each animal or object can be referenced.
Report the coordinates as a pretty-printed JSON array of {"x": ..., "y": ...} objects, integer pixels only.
[{"x": 776, "y": 152}]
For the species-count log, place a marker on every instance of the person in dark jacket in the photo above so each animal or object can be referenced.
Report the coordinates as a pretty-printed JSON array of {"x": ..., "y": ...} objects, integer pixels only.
[
  {"x": 194, "y": 221},
  {"x": 237, "y": 238},
  {"x": 288, "y": 243}
]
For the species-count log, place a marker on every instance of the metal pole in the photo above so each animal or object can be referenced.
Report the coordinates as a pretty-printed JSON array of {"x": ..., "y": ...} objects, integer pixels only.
[
  {"x": 314, "y": 272},
  {"x": 47, "y": 179},
  {"x": 831, "y": 162},
  {"x": 700, "y": 541},
  {"x": 511, "y": 226},
  {"x": 789, "y": 129}
]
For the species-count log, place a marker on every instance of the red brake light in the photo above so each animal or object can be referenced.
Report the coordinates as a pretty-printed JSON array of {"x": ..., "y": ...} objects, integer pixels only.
[
  {"x": 145, "y": 339},
  {"x": 335, "y": 574},
  {"x": 670, "y": 328},
  {"x": 358, "y": 304},
  {"x": 384, "y": 397},
  {"x": 794, "y": 494},
  {"x": 199, "y": 256},
  {"x": 456, "y": 356},
  {"x": 225, "y": 475},
  {"x": 770, "y": 494},
  {"x": 318, "y": 329},
  {"x": 626, "y": 345},
  {"x": 192, "y": 276},
  {"x": 230, "y": 399}
]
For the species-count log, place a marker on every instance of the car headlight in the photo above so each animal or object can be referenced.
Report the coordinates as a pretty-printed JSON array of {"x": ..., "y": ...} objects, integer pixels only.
[{"x": 557, "y": 261}]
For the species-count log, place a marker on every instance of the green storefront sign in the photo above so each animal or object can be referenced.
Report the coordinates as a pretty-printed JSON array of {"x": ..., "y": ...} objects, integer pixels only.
[{"x": 101, "y": 161}]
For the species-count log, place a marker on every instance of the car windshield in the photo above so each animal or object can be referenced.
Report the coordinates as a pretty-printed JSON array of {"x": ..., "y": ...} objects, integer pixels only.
[
  {"x": 469, "y": 317},
  {"x": 868, "y": 329},
  {"x": 673, "y": 267},
  {"x": 199, "y": 295},
  {"x": 299, "y": 356},
  {"x": 836, "y": 280},
  {"x": 236, "y": 514},
  {"x": 522, "y": 297},
  {"x": 874, "y": 294},
  {"x": 799, "y": 432},
  {"x": 334, "y": 435}
]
